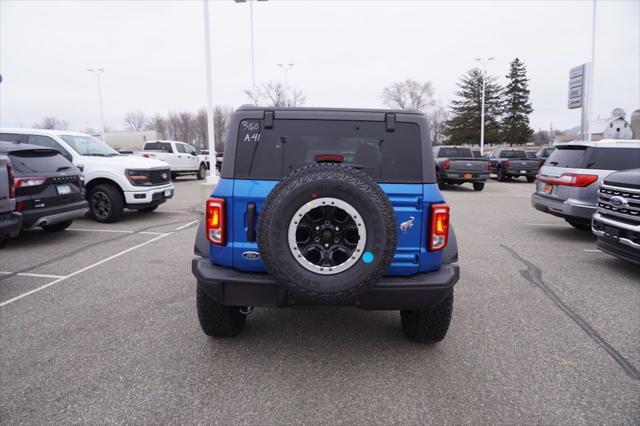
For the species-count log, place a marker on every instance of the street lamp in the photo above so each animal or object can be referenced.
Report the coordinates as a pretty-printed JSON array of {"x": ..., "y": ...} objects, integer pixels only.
[
  {"x": 213, "y": 171},
  {"x": 97, "y": 71},
  {"x": 484, "y": 75},
  {"x": 253, "y": 62},
  {"x": 286, "y": 68}
]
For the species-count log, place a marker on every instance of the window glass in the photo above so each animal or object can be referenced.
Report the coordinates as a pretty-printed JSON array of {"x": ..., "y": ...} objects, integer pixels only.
[
  {"x": 48, "y": 142},
  {"x": 190, "y": 149},
  {"x": 88, "y": 145},
  {"x": 513, "y": 153},
  {"x": 181, "y": 148},
  {"x": 158, "y": 146},
  {"x": 567, "y": 156},
  {"x": 39, "y": 160},
  {"x": 614, "y": 159},
  {"x": 273, "y": 153},
  {"x": 455, "y": 153},
  {"x": 10, "y": 137}
]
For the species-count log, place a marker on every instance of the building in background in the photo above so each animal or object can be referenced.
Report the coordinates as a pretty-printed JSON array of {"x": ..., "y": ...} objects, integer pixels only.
[{"x": 127, "y": 139}]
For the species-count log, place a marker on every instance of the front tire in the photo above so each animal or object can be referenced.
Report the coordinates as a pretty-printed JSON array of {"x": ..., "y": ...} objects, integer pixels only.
[
  {"x": 57, "y": 227},
  {"x": 429, "y": 326},
  {"x": 501, "y": 175},
  {"x": 217, "y": 320},
  {"x": 202, "y": 172},
  {"x": 105, "y": 203},
  {"x": 478, "y": 186}
]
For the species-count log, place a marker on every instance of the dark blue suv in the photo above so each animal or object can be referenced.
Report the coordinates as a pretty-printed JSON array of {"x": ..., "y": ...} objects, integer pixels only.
[{"x": 327, "y": 207}]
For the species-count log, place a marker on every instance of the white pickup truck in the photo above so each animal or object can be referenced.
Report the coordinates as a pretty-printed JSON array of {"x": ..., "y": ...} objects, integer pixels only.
[
  {"x": 182, "y": 157},
  {"x": 113, "y": 181}
]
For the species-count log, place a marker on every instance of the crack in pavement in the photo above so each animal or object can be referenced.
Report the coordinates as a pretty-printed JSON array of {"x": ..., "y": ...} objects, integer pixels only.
[{"x": 533, "y": 275}]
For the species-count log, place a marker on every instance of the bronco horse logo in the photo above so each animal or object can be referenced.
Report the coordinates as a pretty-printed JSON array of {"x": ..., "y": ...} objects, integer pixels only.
[{"x": 405, "y": 226}]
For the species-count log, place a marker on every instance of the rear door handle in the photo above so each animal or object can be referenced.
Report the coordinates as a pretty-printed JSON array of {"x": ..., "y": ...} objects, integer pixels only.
[{"x": 251, "y": 218}]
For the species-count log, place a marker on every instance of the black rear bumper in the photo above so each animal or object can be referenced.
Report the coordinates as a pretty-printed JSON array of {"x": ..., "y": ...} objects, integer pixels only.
[
  {"x": 236, "y": 288},
  {"x": 54, "y": 214}
]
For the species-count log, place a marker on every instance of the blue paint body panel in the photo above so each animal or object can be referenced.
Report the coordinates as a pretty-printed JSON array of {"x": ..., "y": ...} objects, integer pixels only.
[{"x": 411, "y": 206}]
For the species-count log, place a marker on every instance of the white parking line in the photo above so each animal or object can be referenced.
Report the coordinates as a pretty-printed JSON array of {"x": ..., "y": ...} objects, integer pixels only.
[
  {"x": 24, "y": 274},
  {"x": 593, "y": 251},
  {"x": 548, "y": 224},
  {"x": 115, "y": 231},
  {"x": 186, "y": 225},
  {"x": 172, "y": 211},
  {"x": 79, "y": 271}
]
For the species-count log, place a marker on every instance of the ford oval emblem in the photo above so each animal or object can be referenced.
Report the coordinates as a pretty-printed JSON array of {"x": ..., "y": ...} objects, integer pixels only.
[
  {"x": 251, "y": 255},
  {"x": 617, "y": 201},
  {"x": 164, "y": 176}
]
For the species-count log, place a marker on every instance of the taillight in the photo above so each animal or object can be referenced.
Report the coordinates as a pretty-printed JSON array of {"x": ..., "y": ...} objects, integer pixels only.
[
  {"x": 489, "y": 165},
  {"x": 569, "y": 179},
  {"x": 23, "y": 182},
  {"x": 439, "y": 231},
  {"x": 145, "y": 155},
  {"x": 329, "y": 158},
  {"x": 506, "y": 163},
  {"x": 215, "y": 221},
  {"x": 446, "y": 164},
  {"x": 12, "y": 184}
]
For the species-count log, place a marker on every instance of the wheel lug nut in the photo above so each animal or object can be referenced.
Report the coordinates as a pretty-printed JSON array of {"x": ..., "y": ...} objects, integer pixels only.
[
  {"x": 316, "y": 239},
  {"x": 317, "y": 228},
  {"x": 337, "y": 229},
  {"x": 326, "y": 245}
]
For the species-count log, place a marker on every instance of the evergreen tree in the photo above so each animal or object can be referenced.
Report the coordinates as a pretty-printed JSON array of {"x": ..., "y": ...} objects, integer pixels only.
[
  {"x": 516, "y": 108},
  {"x": 463, "y": 126}
]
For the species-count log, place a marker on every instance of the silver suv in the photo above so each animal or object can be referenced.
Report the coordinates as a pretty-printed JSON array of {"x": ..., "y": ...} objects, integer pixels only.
[{"x": 567, "y": 184}]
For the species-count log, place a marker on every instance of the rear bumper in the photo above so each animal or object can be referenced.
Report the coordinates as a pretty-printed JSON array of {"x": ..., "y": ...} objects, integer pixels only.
[
  {"x": 10, "y": 224},
  {"x": 562, "y": 208},
  {"x": 53, "y": 215},
  {"x": 518, "y": 172},
  {"x": 459, "y": 177},
  {"x": 621, "y": 240},
  {"x": 236, "y": 288}
]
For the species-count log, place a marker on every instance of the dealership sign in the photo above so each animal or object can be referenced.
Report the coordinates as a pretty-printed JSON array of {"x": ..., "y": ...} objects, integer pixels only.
[{"x": 577, "y": 77}]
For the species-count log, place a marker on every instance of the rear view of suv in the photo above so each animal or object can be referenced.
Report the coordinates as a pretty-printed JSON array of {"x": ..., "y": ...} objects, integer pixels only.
[
  {"x": 48, "y": 188},
  {"x": 567, "y": 185},
  {"x": 327, "y": 207}
]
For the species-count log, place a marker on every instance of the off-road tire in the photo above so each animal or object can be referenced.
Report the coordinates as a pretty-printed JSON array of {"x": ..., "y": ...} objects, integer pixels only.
[
  {"x": 115, "y": 200},
  {"x": 57, "y": 227},
  {"x": 148, "y": 209},
  {"x": 202, "y": 172},
  {"x": 581, "y": 226},
  {"x": 478, "y": 186},
  {"x": 501, "y": 175},
  {"x": 531, "y": 179},
  {"x": 301, "y": 285},
  {"x": 429, "y": 326},
  {"x": 218, "y": 320}
]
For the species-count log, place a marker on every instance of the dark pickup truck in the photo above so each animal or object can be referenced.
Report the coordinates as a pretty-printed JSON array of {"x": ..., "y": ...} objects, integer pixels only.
[
  {"x": 508, "y": 163},
  {"x": 457, "y": 165}
]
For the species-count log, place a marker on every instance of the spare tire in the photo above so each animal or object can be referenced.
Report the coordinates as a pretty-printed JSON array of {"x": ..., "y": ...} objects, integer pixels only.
[{"x": 327, "y": 232}]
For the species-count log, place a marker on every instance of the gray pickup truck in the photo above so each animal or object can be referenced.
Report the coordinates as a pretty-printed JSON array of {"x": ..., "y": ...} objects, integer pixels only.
[
  {"x": 508, "y": 163},
  {"x": 10, "y": 220},
  {"x": 457, "y": 165}
]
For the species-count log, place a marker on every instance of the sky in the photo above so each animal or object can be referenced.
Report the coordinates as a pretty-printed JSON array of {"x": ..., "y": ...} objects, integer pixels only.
[{"x": 344, "y": 53}]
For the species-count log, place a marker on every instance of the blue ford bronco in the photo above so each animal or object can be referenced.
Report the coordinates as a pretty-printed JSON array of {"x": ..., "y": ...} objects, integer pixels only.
[{"x": 325, "y": 206}]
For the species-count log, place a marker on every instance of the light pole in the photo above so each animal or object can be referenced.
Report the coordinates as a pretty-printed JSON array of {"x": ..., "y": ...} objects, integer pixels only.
[
  {"x": 484, "y": 75},
  {"x": 211, "y": 134},
  {"x": 97, "y": 71},
  {"x": 286, "y": 68},
  {"x": 590, "y": 75},
  {"x": 253, "y": 61}
]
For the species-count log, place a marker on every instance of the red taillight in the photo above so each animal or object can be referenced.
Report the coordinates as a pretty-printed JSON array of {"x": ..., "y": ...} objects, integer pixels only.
[
  {"x": 215, "y": 221},
  {"x": 12, "y": 184},
  {"x": 23, "y": 182},
  {"x": 439, "y": 231},
  {"x": 19, "y": 206},
  {"x": 446, "y": 164},
  {"x": 569, "y": 179},
  {"x": 145, "y": 155},
  {"x": 506, "y": 163},
  {"x": 329, "y": 158},
  {"x": 489, "y": 165}
]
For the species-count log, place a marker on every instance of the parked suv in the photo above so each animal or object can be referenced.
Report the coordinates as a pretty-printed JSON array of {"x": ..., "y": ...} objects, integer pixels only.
[
  {"x": 327, "y": 207},
  {"x": 113, "y": 181},
  {"x": 567, "y": 185},
  {"x": 48, "y": 188},
  {"x": 457, "y": 165},
  {"x": 10, "y": 220},
  {"x": 617, "y": 218}
]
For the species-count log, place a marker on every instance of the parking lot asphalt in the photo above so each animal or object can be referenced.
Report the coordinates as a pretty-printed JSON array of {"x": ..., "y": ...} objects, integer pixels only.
[{"x": 98, "y": 325}]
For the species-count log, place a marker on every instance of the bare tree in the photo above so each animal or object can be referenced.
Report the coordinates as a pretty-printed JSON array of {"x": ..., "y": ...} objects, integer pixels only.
[
  {"x": 52, "y": 123},
  {"x": 135, "y": 120},
  {"x": 157, "y": 123},
  {"x": 221, "y": 118},
  {"x": 276, "y": 94},
  {"x": 437, "y": 116},
  {"x": 409, "y": 94}
]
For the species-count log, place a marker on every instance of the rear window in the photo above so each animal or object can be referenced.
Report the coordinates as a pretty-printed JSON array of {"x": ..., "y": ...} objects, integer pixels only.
[
  {"x": 158, "y": 146},
  {"x": 38, "y": 161},
  {"x": 582, "y": 157},
  {"x": 513, "y": 153},
  {"x": 455, "y": 153},
  {"x": 273, "y": 153}
]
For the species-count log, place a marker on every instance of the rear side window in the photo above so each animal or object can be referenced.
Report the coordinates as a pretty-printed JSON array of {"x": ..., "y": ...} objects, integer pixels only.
[
  {"x": 614, "y": 159},
  {"x": 158, "y": 146},
  {"x": 10, "y": 137},
  {"x": 273, "y": 153},
  {"x": 38, "y": 161},
  {"x": 455, "y": 153}
]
